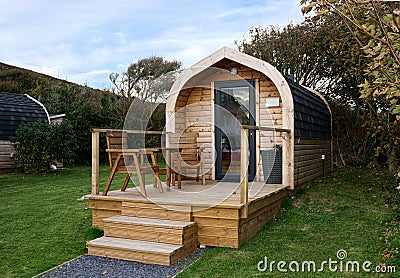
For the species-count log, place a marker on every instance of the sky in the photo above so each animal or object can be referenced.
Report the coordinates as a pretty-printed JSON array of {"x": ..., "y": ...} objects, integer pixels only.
[{"x": 83, "y": 41}]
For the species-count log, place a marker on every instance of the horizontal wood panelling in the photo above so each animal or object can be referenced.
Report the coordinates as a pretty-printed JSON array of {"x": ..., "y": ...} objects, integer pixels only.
[
  {"x": 307, "y": 179},
  {"x": 169, "y": 235},
  {"x": 218, "y": 241},
  {"x": 217, "y": 213},
  {"x": 6, "y": 158},
  {"x": 311, "y": 147},
  {"x": 6, "y": 161},
  {"x": 266, "y": 201},
  {"x": 98, "y": 215},
  {"x": 218, "y": 231},
  {"x": 320, "y": 151},
  {"x": 308, "y": 172},
  {"x": 197, "y": 119},
  {"x": 316, "y": 167},
  {"x": 308, "y": 163},
  {"x": 216, "y": 222},
  {"x": 260, "y": 212},
  {"x": 301, "y": 158},
  {"x": 143, "y": 257},
  {"x": 105, "y": 205},
  {"x": 149, "y": 210}
]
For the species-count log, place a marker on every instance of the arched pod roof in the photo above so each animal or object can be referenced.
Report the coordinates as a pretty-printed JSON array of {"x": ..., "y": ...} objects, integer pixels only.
[
  {"x": 16, "y": 109},
  {"x": 246, "y": 60}
]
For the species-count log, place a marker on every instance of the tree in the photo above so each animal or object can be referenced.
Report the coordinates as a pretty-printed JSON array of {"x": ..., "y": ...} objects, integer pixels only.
[
  {"x": 142, "y": 81},
  {"x": 38, "y": 144},
  {"x": 293, "y": 50},
  {"x": 375, "y": 25},
  {"x": 315, "y": 54},
  {"x": 323, "y": 56},
  {"x": 85, "y": 108}
]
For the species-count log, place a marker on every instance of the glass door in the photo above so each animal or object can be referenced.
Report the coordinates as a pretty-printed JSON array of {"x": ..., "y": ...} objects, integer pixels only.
[{"x": 234, "y": 106}]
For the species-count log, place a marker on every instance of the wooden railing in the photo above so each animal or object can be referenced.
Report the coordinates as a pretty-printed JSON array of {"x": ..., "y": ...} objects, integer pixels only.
[
  {"x": 244, "y": 162},
  {"x": 96, "y": 152}
]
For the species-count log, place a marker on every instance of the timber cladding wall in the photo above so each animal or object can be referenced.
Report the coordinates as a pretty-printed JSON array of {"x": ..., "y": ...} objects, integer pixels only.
[
  {"x": 224, "y": 227},
  {"x": 194, "y": 111},
  {"x": 6, "y": 160},
  {"x": 104, "y": 209},
  {"x": 308, "y": 162}
]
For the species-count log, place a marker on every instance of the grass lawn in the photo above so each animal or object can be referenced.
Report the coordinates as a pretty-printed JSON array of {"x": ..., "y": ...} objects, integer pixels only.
[
  {"x": 43, "y": 220},
  {"x": 44, "y": 223},
  {"x": 345, "y": 211}
]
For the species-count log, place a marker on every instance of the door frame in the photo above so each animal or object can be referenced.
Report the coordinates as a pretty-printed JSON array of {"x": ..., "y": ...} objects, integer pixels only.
[{"x": 250, "y": 83}]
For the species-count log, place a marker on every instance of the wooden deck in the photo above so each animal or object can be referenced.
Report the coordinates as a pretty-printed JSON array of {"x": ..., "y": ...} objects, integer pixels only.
[
  {"x": 194, "y": 195},
  {"x": 166, "y": 226},
  {"x": 210, "y": 215}
]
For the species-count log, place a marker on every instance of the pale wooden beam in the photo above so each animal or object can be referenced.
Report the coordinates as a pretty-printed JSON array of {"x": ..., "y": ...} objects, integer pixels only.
[
  {"x": 244, "y": 171},
  {"x": 131, "y": 131},
  {"x": 95, "y": 161},
  {"x": 265, "y": 128}
]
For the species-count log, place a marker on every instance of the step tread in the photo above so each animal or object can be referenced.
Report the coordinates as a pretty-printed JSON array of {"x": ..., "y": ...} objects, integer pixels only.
[
  {"x": 135, "y": 245},
  {"x": 148, "y": 221}
]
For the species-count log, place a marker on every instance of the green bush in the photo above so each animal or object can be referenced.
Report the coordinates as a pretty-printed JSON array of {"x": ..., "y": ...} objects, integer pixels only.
[{"x": 38, "y": 145}]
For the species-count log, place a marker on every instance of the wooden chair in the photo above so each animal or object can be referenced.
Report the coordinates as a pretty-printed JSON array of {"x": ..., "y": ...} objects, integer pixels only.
[
  {"x": 190, "y": 156},
  {"x": 127, "y": 161}
]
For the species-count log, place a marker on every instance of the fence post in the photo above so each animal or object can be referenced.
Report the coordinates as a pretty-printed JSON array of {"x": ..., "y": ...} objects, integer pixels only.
[
  {"x": 95, "y": 161},
  {"x": 244, "y": 171}
]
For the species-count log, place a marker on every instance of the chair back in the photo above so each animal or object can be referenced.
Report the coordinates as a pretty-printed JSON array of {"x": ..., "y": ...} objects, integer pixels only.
[
  {"x": 187, "y": 143},
  {"x": 116, "y": 139}
]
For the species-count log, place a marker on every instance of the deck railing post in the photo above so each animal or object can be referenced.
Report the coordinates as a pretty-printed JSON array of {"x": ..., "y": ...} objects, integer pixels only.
[
  {"x": 95, "y": 161},
  {"x": 244, "y": 171}
]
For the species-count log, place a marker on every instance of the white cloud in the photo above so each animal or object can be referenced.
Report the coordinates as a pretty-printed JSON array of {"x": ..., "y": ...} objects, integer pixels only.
[{"x": 84, "y": 41}]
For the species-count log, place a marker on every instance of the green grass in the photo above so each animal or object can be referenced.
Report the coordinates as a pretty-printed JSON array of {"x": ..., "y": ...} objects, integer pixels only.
[
  {"x": 44, "y": 223},
  {"x": 345, "y": 211},
  {"x": 43, "y": 220}
]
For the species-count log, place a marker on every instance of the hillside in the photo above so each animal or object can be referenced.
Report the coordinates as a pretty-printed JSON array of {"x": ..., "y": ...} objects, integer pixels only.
[{"x": 22, "y": 81}]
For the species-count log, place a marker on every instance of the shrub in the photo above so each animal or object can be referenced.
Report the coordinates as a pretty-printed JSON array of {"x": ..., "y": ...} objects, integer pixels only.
[{"x": 38, "y": 145}]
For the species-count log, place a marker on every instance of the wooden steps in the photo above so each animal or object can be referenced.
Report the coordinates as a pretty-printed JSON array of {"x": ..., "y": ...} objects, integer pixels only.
[
  {"x": 153, "y": 230},
  {"x": 150, "y": 210},
  {"x": 146, "y": 240},
  {"x": 135, "y": 250}
]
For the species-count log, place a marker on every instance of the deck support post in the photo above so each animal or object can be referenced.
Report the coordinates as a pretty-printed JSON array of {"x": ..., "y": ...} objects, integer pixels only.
[
  {"x": 244, "y": 171},
  {"x": 95, "y": 161}
]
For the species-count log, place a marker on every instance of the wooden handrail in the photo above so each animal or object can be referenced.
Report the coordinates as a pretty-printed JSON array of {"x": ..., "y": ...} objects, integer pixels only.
[
  {"x": 265, "y": 128},
  {"x": 102, "y": 130},
  {"x": 141, "y": 150}
]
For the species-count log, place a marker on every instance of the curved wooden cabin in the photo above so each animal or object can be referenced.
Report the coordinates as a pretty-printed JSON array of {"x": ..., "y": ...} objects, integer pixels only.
[{"x": 272, "y": 100}]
